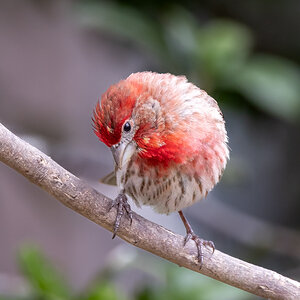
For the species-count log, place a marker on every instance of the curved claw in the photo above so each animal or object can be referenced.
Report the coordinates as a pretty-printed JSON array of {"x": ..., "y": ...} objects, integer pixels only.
[
  {"x": 199, "y": 244},
  {"x": 128, "y": 211},
  {"x": 209, "y": 244},
  {"x": 187, "y": 238},
  {"x": 121, "y": 204}
]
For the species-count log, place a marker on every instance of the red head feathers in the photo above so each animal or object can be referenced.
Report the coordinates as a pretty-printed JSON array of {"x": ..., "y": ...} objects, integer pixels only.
[{"x": 172, "y": 119}]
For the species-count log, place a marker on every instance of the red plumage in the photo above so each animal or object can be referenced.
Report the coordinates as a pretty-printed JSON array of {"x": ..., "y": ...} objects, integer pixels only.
[{"x": 168, "y": 138}]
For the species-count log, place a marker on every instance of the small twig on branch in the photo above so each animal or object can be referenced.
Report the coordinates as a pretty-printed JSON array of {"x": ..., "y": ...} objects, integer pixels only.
[{"x": 79, "y": 196}]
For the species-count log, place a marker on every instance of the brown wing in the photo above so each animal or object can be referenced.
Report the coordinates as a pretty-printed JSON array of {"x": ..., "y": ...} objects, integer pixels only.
[{"x": 109, "y": 179}]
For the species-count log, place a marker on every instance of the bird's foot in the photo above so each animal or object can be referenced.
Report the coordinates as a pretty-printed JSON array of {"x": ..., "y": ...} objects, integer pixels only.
[
  {"x": 122, "y": 206},
  {"x": 199, "y": 244}
]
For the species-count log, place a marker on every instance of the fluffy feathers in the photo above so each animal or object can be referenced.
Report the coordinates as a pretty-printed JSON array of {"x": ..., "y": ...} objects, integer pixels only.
[{"x": 179, "y": 135}]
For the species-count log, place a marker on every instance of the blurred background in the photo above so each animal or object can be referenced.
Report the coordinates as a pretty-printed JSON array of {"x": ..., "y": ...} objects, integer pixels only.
[{"x": 56, "y": 59}]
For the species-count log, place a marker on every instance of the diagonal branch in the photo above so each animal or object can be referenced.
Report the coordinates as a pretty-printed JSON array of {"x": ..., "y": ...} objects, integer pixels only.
[{"x": 79, "y": 196}]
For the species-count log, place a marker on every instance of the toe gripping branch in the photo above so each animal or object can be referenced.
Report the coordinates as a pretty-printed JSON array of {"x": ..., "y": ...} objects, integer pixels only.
[
  {"x": 122, "y": 206},
  {"x": 198, "y": 241}
]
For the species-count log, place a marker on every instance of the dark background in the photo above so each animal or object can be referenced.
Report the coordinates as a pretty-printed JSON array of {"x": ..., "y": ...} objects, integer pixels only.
[{"x": 58, "y": 57}]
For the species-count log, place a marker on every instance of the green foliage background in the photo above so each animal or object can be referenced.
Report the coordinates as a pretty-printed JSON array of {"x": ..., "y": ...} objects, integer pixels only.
[
  {"x": 218, "y": 55},
  {"x": 45, "y": 282}
]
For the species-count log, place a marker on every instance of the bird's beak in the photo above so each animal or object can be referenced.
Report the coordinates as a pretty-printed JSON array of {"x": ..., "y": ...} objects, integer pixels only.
[{"x": 122, "y": 153}]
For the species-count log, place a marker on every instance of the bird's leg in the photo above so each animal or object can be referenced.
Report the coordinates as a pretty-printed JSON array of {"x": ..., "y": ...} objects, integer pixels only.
[
  {"x": 122, "y": 205},
  {"x": 191, "y": 235}
]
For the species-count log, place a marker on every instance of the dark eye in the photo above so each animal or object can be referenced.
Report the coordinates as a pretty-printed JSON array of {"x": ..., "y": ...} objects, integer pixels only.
[{"x": 127, "y": 127}]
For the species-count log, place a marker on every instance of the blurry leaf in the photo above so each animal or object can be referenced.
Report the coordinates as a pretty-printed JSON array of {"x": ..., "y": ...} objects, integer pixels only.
[
  {"x": 272, "y": 84},
  {"x": 190, "y": 285},
  {"x": 182, "y": 284},
  {"x": 46, "y": 282},
  {"x": 103, "y": 290},
  {"x": 123, "y": 21},
  {"x": 145, "y": 294},
  {"x": 180, "y": 34},
  {"x": 222, "y": 48}
]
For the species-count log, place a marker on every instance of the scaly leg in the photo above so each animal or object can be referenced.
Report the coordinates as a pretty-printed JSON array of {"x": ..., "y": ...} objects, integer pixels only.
[
  {"x": 191, "y": 235},
  {"x": 121, "y": 204}
]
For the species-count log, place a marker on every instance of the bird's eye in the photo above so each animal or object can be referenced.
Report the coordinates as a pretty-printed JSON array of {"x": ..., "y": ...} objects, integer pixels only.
[{"x": 127, "y": 127}]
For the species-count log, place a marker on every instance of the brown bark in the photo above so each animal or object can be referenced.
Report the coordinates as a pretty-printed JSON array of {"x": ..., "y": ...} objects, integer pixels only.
[{"x": 79, "y": 196}]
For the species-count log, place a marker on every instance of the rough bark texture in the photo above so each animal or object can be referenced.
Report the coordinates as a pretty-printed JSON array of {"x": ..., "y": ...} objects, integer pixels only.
[{"x": 74, "y": 193}]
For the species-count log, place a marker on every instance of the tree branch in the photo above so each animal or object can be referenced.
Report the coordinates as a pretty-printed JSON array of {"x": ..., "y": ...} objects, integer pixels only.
[{"x": 79, "y": 196}]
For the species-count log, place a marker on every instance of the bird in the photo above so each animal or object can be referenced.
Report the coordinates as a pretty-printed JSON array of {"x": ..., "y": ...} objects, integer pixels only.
[{"x": 169, "y": 143}]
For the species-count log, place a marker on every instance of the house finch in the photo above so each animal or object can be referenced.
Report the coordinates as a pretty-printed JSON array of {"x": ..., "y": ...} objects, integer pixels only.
[{"x": 169, "y": 143}]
